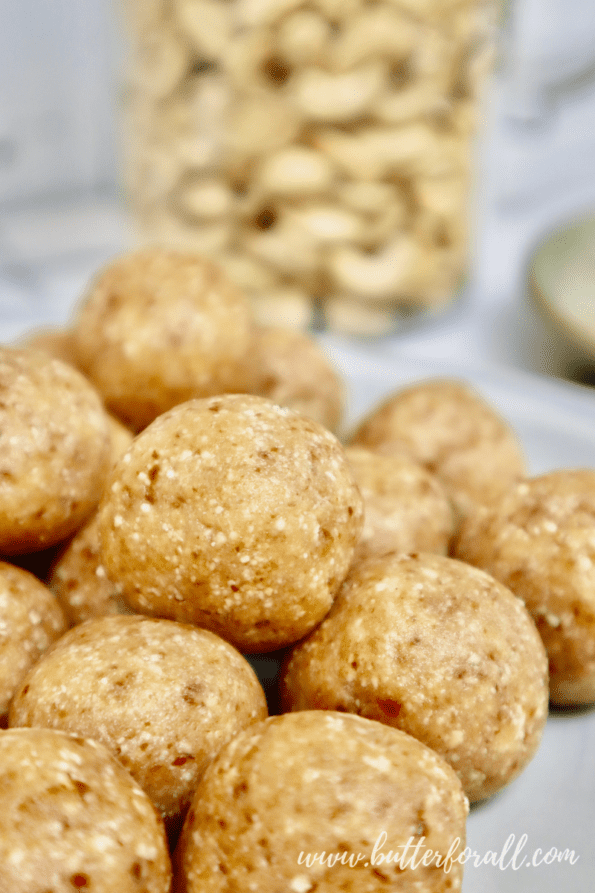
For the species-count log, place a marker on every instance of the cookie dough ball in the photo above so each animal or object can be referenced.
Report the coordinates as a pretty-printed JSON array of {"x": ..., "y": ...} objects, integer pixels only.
[
  {"x": 55, "y": 450},
  {"x": 56, "y": 341},
  {"x": 163, "y": 697},
  {"x": 451, "y": 430},
  {"x": 290, "y": 369},
  {"x": 80, "y": 581},
  {"x": 314, "y": 785},
  {"x": 235, "y": 514},
  {"x": 406, "y": 508},
  {"x": 438, "y": 649},
  {"x": 158, "y": 327},
  {"x": 30, "y": 620},
  {"x": 73, "y": 819},
  {"x": 539, "y": 539}
]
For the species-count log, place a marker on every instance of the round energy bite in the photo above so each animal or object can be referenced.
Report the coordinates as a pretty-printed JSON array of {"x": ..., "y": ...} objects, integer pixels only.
[
  {"x": 30, "y": 620},
  {"x": 290, "y": 369},
  {"x": 55, "y": 453},
  {"x": 235, "y": 514},
  {"x": 162, "y": 696},
  {"x": 80, "y": 581},
  {"x": 539, "y": 539},
  {"x": 406, "y": 508},
  {"x": 438, "y": 649},
  {"x": 158, "y": 327},
  {"x": 451, "y": 430},
  {"x": 72, "y": 818},
  {"x": 294, "y": 790}
]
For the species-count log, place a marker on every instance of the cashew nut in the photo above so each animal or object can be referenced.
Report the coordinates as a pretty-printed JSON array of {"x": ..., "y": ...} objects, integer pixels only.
[
  {"x": 208, "y": 24},
  {"x": 323, "y": 96},
  {"x": 285, "y": 245},
  {"x": 252, "y": 13},
  {"x": 289, "y": 306},
  {"x": 373, "y": 32},
  {"x": 248, "y": 273},
  {"x": 423, "y": 98},
  {"x": 296, "y": 170},
  {"x": 304, "y": 37},
  {"x": 206, "y": 199},
  {"x": 260, "y": 125},
  {"x": 380, "y": 276},
  {"x": 327, "y": 223}
]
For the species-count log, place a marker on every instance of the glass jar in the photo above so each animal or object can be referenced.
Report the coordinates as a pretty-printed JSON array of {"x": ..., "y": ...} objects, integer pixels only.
[{"x": 320, "y": 150}]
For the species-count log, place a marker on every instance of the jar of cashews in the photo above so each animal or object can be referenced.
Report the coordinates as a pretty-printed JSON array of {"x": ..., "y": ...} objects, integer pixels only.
[{"x": 320, "y": 150}]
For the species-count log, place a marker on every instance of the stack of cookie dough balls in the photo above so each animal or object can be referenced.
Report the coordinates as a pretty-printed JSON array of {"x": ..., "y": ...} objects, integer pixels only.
[
  {"x": 236, "y": 514},
  {"x": 539, "y": 539},
  {"x": 292, "y": 791},
  {"x": 73, "y": 818},
  {"x": 321, "y": 148},
  {"x": 163, "y": 697},
  {"x": 55, "y": 450},
  {"x": 454, "y": 432},
  {"x": 439, "y": 649}
]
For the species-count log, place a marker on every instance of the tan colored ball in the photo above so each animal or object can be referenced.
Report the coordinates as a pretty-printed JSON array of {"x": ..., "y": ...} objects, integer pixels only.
[
  {"x": 454, "y": 432},
  {"x": 291, "y": 369},
  {"x": 73, "y": 818},
  {"x": 406, "y": 509},
  {"x": 157, "y": 327},
  {"x": 539, "y": 539},
  {"x": 235, "y": 514},
  {"x": 303, "y": 787},
  {"x": 55, "y": 453},
  {"x": 163, "y": 697},
  {"x": 438, "y": 649},
  {"x": 30, "y": 621}
]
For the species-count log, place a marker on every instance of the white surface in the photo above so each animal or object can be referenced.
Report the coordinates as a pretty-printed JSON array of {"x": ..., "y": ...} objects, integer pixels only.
[{"x": 553, "y": 801}]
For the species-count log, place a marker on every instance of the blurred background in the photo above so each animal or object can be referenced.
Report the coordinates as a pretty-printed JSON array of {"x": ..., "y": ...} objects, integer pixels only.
[{"x": 64, "y": 209}]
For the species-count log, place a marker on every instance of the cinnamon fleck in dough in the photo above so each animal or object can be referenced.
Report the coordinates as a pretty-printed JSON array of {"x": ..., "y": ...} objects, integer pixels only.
[
  {"x": 158, "y": 327},
  {"x": 30, "y": 620},
  {"x": 304, "y": 784},
  {"x": 235, "y": 514},
  {"x": 55, "y": 450},
  {"x": 164, "y": 697},
  {"x": 451, "y": 430},
  {"x": 539, "y": 539},
  {"x": 438, "y": 649},
  {"x": 406, "y": 507},
  {"x": 73, "y": 819}
]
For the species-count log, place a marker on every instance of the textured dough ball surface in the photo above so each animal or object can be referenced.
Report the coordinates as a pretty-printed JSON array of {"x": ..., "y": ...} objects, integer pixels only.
[
  {"x": 55, "y": 450},
  {"x": 438, "y": 649},
  {"x": 406, "y": 508},
  {"x": 30, "y": 620},
  {"x": 539, "y": 539},
  {"x": 454, "y": 432},
  {"x": 158, "y": 327},
  {"x": 235, "y": 514},
  {"x": 163, "y": 697},
  {"x": 73, "y": 819},
  {"x": 306, "y": 783},
  {"x": 80, "y": 581},
  {"x": 291, "y": 369}
]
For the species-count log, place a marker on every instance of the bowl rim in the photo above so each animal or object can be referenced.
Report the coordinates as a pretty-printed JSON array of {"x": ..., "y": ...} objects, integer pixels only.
[{"x": 580, "y": 336}]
